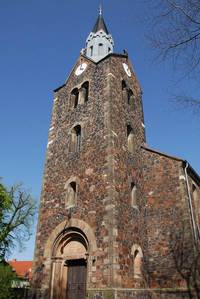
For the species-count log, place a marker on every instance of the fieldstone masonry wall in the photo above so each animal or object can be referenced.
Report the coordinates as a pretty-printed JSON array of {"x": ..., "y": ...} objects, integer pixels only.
[
  {"x": 165, "y": 210},
  {"x": 137, "y": 294},
  {"x": 104, "y": 170}
]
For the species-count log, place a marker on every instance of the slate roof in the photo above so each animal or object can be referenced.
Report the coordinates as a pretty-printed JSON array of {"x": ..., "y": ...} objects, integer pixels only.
[{"x": 100, "y": 25}]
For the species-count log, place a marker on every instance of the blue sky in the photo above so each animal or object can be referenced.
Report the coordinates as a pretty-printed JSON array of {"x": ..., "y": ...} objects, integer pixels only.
[{"x": 39, "y": 44}]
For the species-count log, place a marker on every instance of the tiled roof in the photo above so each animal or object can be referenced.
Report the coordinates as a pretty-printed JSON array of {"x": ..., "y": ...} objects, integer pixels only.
[{"x": 23, "y": 269}]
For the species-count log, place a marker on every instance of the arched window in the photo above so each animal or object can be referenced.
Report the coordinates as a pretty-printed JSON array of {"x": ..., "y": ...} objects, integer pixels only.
[
  {"x": 83, "y": 93},
  {"x": 71, "y": 195},
  {"x": 100, "y": 49},
  {"x": 133, "y": 195},
  {"x": 130, "y": 139},
  {"x": 74, "y": 97},
  {"x": 91, "y": 51},
  {"x": 128, "y": 95},
  {"x": 130, "y": 98},
  {"x": 137, "y": 261},
  {"x": 76, "y": 138},
  {"x": 109, "y": 49}
]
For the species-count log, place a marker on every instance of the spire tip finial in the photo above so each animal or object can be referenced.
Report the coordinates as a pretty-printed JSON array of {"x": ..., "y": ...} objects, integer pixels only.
[{"x": 100, "y": 9}]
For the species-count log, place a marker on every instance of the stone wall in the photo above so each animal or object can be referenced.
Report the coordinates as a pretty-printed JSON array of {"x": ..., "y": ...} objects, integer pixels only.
[
  {"x": 138, "y": 294},
  {"x": 87, "y": 166},
  {"x": 126, "y": 169},
  {"x": 104, "y": 170},
  {"x": 100, "y": 168},
  {"x": 166, "y": 214}
]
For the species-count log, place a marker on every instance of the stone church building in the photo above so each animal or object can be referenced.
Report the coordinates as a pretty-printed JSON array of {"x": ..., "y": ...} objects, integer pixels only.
[{"x": 115, "y": 215}]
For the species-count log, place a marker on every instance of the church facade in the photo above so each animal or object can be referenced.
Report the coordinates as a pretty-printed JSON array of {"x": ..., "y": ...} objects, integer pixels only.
[{"x": 115, "y": 215}]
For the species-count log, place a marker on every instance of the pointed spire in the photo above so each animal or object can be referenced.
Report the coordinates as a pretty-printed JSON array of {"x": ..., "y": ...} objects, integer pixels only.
[{"x": 100, "y": 24}]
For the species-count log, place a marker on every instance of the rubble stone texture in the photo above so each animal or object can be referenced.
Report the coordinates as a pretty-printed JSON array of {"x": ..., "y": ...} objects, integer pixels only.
[{"x": 128, "y": 248}]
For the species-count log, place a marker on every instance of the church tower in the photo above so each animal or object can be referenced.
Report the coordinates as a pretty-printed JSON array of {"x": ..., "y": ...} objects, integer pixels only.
[
  {"x": 88, "y": 213},
  {"x": 92, "y": 231}
]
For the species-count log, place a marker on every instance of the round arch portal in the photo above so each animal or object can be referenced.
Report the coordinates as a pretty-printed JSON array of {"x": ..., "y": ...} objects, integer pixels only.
[
  {"x": 68, "y": 254},
  {"x": 69, "y": 264},
  {"x": 70, "y": 244}
]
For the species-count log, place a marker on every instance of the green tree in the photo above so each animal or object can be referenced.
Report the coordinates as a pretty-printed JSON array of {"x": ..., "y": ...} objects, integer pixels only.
[
  {"x": 5, "y": 201},
  {"x": 7, "y": 276},
  {"x": 17, "y": 214}
]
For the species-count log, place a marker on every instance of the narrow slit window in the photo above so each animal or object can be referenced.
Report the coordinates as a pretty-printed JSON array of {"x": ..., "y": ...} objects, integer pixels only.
[
  {"x": 137, "y": 264},
  {"x": 137, "y": 261},
  {"x": 133, "y": 195},
  {"x": 125, "y": 92},
  {"x": 130, "y": 139},
  {"x": 84, "y": 93},
  {"x": 74, "y": 97},
  {"x": 76, "y": 138},
  {"x": 71, "y": 195},
  {"x": 130, "y": 98}
]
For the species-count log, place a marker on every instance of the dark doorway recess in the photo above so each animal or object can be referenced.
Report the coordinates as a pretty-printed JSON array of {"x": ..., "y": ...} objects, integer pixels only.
[{"x": 76, "y": 279}]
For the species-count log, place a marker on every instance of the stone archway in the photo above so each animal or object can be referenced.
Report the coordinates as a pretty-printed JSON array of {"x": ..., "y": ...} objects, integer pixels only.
[
  {"x": 69, "y": 265},
  {"x": 71, "y": 245}
]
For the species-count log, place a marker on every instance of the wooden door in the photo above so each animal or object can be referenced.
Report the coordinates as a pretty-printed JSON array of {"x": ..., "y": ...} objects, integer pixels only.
[{"x": 76, "y": 279}]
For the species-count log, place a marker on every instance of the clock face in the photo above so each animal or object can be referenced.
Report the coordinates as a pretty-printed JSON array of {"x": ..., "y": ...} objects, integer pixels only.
[
  {"x": 127, "y": 70},
  {"x": 80, "y": 69}
]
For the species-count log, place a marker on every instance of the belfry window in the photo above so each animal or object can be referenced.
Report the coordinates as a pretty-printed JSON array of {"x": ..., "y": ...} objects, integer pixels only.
[
  {"x": 130, "y": 98},
  {"x": 124, "y": 91},
  {"x": 128, "y": 95},
  {"x": 74, "y": 97},
  {"x": 130, "y": 139},
  {"x": 80, "y": 96},
  {"x": 83, "y": 93},
  {"x": 76, "y": 139},
  {"x": 71, "y": 195},
  {"x": 100, "y": 49}
]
